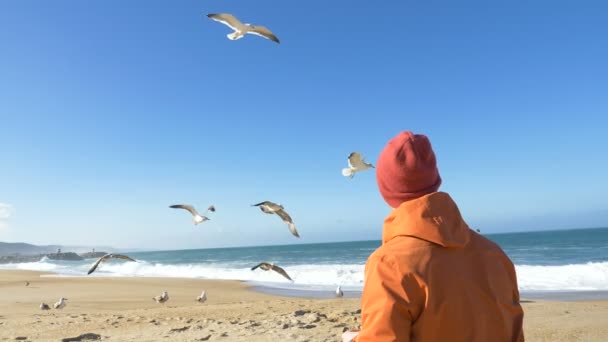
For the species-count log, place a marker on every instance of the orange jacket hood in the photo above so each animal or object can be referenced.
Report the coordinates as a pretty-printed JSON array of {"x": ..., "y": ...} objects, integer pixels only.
[{"x": 433, "y": 217}]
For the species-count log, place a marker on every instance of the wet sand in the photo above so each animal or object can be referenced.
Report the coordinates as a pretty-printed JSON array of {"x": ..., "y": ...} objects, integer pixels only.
[{"x": 122, "y": 309}]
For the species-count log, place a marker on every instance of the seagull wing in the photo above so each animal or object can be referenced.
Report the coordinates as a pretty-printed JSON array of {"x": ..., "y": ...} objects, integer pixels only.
[
  {"x": 262, "y": 203},
  {"x": 124, "y": 257},
  {"x": 281, "y": 271},
  {"x": 354, "y": 160},
  {"x": 226, "y": 19},
  {"x": 263, "y": 32},
  {"x": 258, "y": 265},
  {"x": 96, "y": 264},
  {"x": 287, "y": 219},
  {"x": 185, "y": 207}
]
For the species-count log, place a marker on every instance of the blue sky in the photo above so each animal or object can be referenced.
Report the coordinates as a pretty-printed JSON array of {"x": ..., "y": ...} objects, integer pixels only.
[{"x": 110, "y": 111}]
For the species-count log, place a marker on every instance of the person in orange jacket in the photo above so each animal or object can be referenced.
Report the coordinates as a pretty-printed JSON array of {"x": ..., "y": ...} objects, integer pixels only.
[{"x": 433, "y": 278}]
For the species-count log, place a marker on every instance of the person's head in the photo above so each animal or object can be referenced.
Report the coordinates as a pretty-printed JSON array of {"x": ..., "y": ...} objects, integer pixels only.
[{"x": 407, "y": 169}]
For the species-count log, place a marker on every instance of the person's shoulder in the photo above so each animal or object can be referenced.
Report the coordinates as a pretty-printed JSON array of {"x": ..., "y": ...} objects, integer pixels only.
[
  {"x": 479, "y": 241},
  {"x": 402, "y": 250},
  {"x": 483, "y": 244}
]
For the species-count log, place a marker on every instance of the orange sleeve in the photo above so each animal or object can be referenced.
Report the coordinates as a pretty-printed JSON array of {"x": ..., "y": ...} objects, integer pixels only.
[
  {"x": 519, "y": 312},
  {"x": 387, "y": 310}
]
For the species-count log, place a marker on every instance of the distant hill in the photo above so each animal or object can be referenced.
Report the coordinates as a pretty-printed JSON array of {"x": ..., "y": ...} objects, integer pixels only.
[{"x": 12, "y": 248}]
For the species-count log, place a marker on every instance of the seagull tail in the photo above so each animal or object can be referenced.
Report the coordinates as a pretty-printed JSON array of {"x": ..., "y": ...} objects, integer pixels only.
[
  {"x": 347, "y": 172},
  {"x": 234, "y": 35}
]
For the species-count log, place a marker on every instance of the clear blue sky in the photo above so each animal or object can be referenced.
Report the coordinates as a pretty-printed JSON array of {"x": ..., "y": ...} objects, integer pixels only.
[{"x": 110, "y": 111}]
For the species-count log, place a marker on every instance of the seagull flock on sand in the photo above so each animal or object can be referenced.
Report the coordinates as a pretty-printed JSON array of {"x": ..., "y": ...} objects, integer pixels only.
[{"x": 356, "y": 164}]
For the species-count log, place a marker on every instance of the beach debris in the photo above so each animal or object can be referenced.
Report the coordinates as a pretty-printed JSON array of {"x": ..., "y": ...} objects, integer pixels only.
[
  {"x": 179, "y": 330},
  {"x": 240, "y": 29},
  {"x": 355, "y": 164},
  {"x": 202, "y": 298},
  {"x": 44, "y": 307},
  {"x": 83, "y": 337},
  {"x": 60, "y": 304},
  {"x": 301, "y": 312},
  {"x": 163, "y": 298},
  {"x": 106, "y": 258},
  {"x": 339, "y": 292},
  {"x": 196, "y": 217},
  {"x": 274, "y": 208},
  {"x": 267, "y": 267}
]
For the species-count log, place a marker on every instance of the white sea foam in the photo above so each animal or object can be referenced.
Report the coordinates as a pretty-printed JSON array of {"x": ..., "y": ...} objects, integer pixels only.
[{"x": 577, "y": 277}]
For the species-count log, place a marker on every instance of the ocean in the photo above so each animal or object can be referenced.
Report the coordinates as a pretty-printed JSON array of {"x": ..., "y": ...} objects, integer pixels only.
[{"x": 545, "y": 262}]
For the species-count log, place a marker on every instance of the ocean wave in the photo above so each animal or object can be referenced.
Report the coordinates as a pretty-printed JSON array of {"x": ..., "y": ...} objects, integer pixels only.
[{"x": 591, "y": 276}]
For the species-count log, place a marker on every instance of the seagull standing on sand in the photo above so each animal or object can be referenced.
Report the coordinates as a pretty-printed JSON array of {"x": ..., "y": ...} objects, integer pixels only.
[
  {"x": 355, "y": 164},
  {"x": 273, "y": 208},
  {"x": 240, "y": 29},
  {"x": 267, "y": 267},
  {"x": 44, "y": 307},
  {"x": 106, "y": 258},
  {"x": 339, "y": 292},
  {"x": 60, "y": 304},
  {"x": 197, "y": 218},
  {"x": 163, "y": 298},
  {"x": 202, "y": 298}
]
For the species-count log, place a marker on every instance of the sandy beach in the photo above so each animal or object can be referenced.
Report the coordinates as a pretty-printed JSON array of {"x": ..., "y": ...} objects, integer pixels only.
[{"x": 122, "y": 309}]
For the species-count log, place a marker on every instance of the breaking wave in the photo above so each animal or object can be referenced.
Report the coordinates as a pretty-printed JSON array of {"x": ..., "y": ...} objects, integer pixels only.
[{"x": 592, "y": 276}]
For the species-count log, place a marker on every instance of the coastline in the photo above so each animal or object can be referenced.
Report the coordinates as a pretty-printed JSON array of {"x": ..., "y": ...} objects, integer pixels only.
[{"x": 122, "y": 309}]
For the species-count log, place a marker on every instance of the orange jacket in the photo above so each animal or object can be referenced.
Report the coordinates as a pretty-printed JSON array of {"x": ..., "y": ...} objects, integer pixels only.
[{"x": 434, "y": 279}]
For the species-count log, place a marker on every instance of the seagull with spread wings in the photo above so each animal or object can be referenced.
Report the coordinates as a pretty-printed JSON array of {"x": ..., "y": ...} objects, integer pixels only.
[
  {"x": 106, "y": 258},
  {"x": 273, "y": 208},
  {"x": 268, "y": 267},
  {"x": 196, "y": 217},
  {"x": 240, "y": 29},
  {"x": 355, "y": 164}
]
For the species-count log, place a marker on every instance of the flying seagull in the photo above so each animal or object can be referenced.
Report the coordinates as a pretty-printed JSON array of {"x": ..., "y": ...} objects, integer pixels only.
[
  {"x": 240, "y": 29},
  {"x": 106, "y": 258},
  {"x": 267, "y": 267},
  {"x": 355, "y": 164},
  {"x": 44, "y": 306},
  {"x": 195, "y": 215},
  {"x": 273, "y": 208},
  {"x": 202, "y": 298},
  {"x": 162, "y": 298},
  {"x": 60, "y": 304},
  {"x": 339, "y": 292}
]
